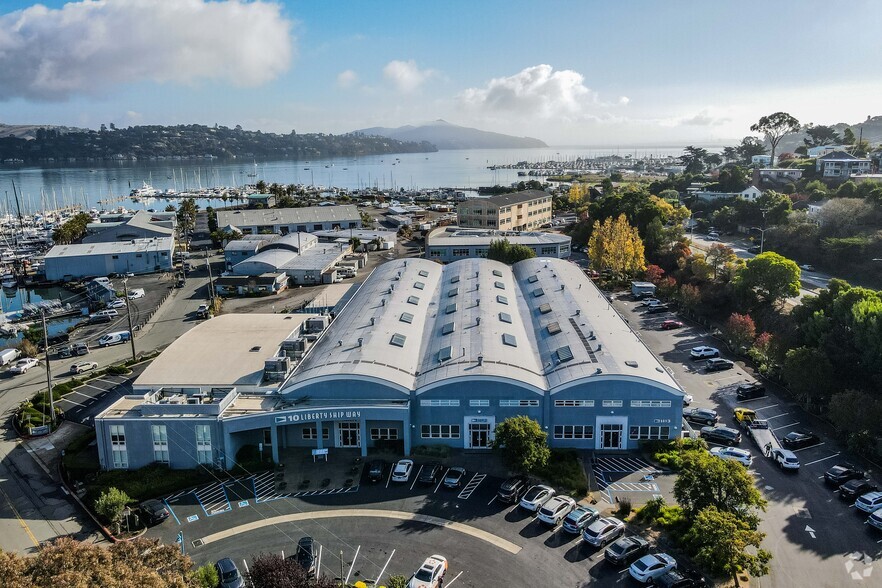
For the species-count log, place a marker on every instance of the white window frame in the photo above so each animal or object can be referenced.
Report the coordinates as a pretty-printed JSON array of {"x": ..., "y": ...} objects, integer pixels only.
[
  {"x": 479, "y": 402},
  {"x": 432, "y": 431},
  {"x": 650, "y": 404},
  {"x": 311, "y": 433},
  {"x": 512, "y": 403},
  {"x": 204, "y": 453},
  {"x": 573, "y": 403},
  {"x": 159, "y": 433},
  {"x": 644, "y": 432},
  {"x": 580, "y": 432},
  {"x": 439, "y": 402},
  {"x": 118, "y": 447},
  {"x": 612, "y": 404}
]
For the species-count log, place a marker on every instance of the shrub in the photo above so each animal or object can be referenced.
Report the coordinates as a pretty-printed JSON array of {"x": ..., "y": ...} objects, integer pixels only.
[
  {"x": 565, "y": 471},
  {"x": 205, "y": 576},
  {"x": 118, "y": 370},
  {"x": 624, "y": 508},
  {"x": 437, "y": 451},
  {"x": 670, "y": 454},
  {"x": 111, "y": 504}
]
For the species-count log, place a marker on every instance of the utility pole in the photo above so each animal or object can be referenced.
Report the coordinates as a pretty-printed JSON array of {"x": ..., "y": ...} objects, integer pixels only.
[
  {"x": 129, "y": 316},
  {"x": 48, "y": 369},
  {"x": 210, "y": 279},
  {"x": 342, "y": 580}
]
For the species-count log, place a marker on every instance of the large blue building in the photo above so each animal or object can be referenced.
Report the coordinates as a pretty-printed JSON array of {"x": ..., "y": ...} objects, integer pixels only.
[{"x": 422, "y": 354}]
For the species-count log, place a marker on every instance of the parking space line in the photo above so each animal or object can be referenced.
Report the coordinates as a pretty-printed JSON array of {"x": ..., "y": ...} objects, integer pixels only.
[
  {"x": 352, "y": 565},
  {"x": 471, "y": 486},
  {"x": 777, "y": 416},
  {"x": 822, "y": 459},
  {"x": 810, "y": 447},
  {"x": 441, "y": 481},
  {"x": 416, "y": 477},
  {"x": 90, "y": 386},
  {"x": 177, "y": 520},
  {"x": 79, "y": 393},
  {"x": 72, "y": 402},
  {"x": 383, "y": 571},
  {"x": 765, "y": 407},
  {"x": 454, "y": 579},
  {"x": 390, "y": 475},
  {"x": 785, "y": 426},
  {"x": 318, "y": 565},
  {"x": 492, "y": 499}
]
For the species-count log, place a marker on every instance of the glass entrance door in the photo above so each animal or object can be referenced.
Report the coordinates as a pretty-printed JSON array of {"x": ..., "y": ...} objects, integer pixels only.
[
  {"x": 610, "y": 436},
  {"x": 479, "y": 434},
  {"x": 348, "y": 435}
]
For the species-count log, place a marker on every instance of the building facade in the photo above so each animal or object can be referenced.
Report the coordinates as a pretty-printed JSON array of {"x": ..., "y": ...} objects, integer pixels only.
[
  {"x": 518, "y": 211},
  {"x": 139, "y": 256},
  {"x": 750, "y": 193},
  {"x": 448, "y": 244},
  {"x": 839, "y": 164},
  {"x": 291, "y": 220}
]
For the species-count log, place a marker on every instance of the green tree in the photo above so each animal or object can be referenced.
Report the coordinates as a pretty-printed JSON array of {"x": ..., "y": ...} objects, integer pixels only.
[
  {"x": 848, "y": 137},
  {"x": 695, "y": 159},
  {"x": 205, "y": 576},
  {"x": 261, "y": 186},
  {"x": 690, "y": 297},
  {"x": 397, "y": 582},
  {"x": 502, "y": 250},
  {"x": 355, "y": 242},
  {"x": 718, "y": 256},
  {"x": 708, "y": 481},
  {"x": 775, "y": 127},
  {"x": 749, "y": 147},
  {"x": 27, "y": 347},
  {"x": 73, "y": 230},
  {"x": 669, "y": 195},
  {"x": 808, "y": 373},
  {"x": 819, "y": 135},
  {"x": 522, "y": 443},
  {"x": 187, "y": 211},
  {"x": 724, "y": 544},
  {"x": 111, "y": 504},
  {"x": 770, "y": 276}
]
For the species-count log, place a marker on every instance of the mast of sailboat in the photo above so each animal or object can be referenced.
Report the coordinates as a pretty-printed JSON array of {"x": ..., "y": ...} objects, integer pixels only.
[{"x": 18, "y": 208}]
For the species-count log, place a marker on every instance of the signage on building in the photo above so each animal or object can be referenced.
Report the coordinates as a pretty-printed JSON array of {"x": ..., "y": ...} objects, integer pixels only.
[{"x": 318, "y": 415}]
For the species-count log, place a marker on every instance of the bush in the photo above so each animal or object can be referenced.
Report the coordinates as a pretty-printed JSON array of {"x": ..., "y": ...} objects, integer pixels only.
[
  {"x": 651, "y": 510},
  {"x": 624, "y": 508},
  {"x": 397, "y": 582},
  {"x": 565, "y": 471},
  {"x": 669, "y": 454},
  {"x": 205, "y": 576},
  {"x": 436, "y": 451},
  {"x": 150, "y": 481},
  {"x": 111, "y": 504},
  {"x": 118, "y": 370},
  {"x": 670, "y": 518}
]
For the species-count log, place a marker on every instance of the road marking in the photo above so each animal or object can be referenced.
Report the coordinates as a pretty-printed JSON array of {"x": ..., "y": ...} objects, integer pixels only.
[
  {"x": 21, "y": 521},
  {"x": 76, "y": 392},
  {"x": 765, "y": 407},
  {"x": 441, "y": 481},
  {"x": 68, "y": 400},
  {"x": 777, "y": 416},
  {"x": 192, "y": 518},
  {"x": 390, "y": 475},
  {"x": 785, "y": 426},
  {"x": 365, "y": 513},
  {"x": 383, "y": 571},
  {"x": 472, "y": 486},
  {"x": 318, "y": 565},
  {"x": 351, "y": 565},
  {"x": 822, "y": 459},
  {"x": 491, "y": 500},
  {"x": 810, "y": 447},
  {"x": 454, "y": 579},
  {"x": 416, "y": 477},
  {"x": 810, "y": 531}
]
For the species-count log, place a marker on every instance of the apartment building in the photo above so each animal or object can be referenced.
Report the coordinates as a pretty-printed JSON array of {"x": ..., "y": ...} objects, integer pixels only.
[{"x": 518, "y": 211}]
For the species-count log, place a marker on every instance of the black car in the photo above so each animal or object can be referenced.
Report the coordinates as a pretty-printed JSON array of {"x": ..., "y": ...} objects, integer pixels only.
[
  {"x": 750, "y": 391},
  {"x": 718, "y": 364},
  {"x": 430, "y": 474},
  {"x": 721, "y": 435},
  {"x": 853, "y": 489},
  {"x": 305, "y": 555},
  {"x": 153, "y": 512},
  {"x": 680, "y": 578},
  {"x": 511, "y": 490},
  {"x": 625, "y": 550},
  {"x": 658, "y": 308},
  {"x": 704, "y": 416},
  {"x": 376, "y": 469},
  {"x": 754, "y": 249},
  {"x": 799, "y": 439},
  {"x": 842, "y": 473}
]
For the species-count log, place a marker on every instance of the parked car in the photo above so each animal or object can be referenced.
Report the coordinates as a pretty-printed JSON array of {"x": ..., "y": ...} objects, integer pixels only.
[
  {"x": 721, "y": 435},
  {"x": 807, "y": 267},
  {"x": 106, "y": 312},
  {"x": 454, "y": 476},
  {"x": 402, "y": 469},
  {"x": 851, "y": 490},
  {"x": 305, "y": 555},
  {"x": 742, "y": 456},
  {"x": 870, "y": 502},
  {"x": 536, "y": 496},
  {"x": 430, "y": 473},
  {"x": 842, "y": 473},
  {"x": 875, "y": 519},
  {"x": 603, "y": 530},
  {"x": 202, "y": 311},
  {"x": 755, "y": 249},
  {"x": 651, "y": 566},
  {"x": 704, "y": 416},
  {"x": 116, "y": 303},
  {"x": 704, "y": 352},
  {"x": 430, "y": 574},
  {"x": 657, "y": 309},
  {"x": 511, "y": 490},
  {"x": 83, "y": 366},
  {"x": 671, "y": 325},
  {"x": 678, "y": 578},
  {"x": 687, "y": 399},
  {"x": 80, "y": 348},
  {"x": 100, "y": 318},
  {"x": 625, "y": 550},
  {"x": 579, "y": 518},
  {"x": 23, "y": 365},
  {"x": 718, "y": 365},
  {"x": 799, "y": 439},
  {"x": 554, "y": 511},
  {"x": 712, "y": 237},
  {"x": 744, "y": 415},
  {"x": 153, "y": 512},
  {"x": 750, "y": 391},
  {"x": 785, "y": 459},
  {"x": 650, "y": 302},
  {"x": 228, "y": 574},
  {"x": 376, "y": 468}
]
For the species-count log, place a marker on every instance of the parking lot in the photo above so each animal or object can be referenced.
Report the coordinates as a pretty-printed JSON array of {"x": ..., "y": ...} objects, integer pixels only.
[{"x": 82, "y": 404}]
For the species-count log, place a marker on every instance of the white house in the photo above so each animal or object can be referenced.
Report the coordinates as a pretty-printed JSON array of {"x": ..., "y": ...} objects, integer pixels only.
[
  {"x": 839, "y": 164},
  {"x": 824, "y": 150},
  {"x": 750, "y": 193},
  {"x": 761, "y": 160}
]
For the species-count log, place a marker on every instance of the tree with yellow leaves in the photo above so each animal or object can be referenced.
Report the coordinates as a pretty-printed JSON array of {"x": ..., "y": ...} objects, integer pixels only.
[
  {"x": 578, "y": 193},
  {"x": 616, "y": 245}
]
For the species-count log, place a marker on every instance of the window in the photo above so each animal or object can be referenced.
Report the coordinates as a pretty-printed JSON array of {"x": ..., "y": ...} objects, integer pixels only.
[
  {"x": 160, "y": 443},
  {"x": 544, "y": 308},
  {"x": 505, "y": 317},
  {"x": 452, "y": 292},
  {"x": 573, "y": 432},
  {"x": 203, "y": 444},
  {"x": 114, "y": 257},
  {"x": 398, "y": 340},
  {"x": 413, "y": 300},
  {"x": 384, "y": 433},
  {"x": 451, "y": 308},
  {"x": 612, "y": 403},
  {"x": 497, "y": 273},
  {"x": 499, "y": 285},
  {"x": 435, "y": 252},
  {"x": 509, "y": 340},
  {"x": 516, "y": 403},
  {"x": 445, "y": 353},
  {"x": 118, "y": 446},
  {"x": 440, "y": 431},
  {"x": 538, "y": 292},
  {"x": 479, "y": 402},
  {"x": 533, "y": 279},
  {"x": 502, "y": 300},
  {"x": 312, "y": 433},
  {"x": 406, "y": 317},
  {"x": 549, "y": 251},
  {"x": 650, "y": 404},
  {"x": 448, "y": 328},
  {"x": 317, "y": 227},
  {"x": 553, "y": 328},
  {"x": 460, "y": 253},
  {"x": 439, "y": 402},
  {"x": 419, "y": 285},
  {"x": 574, "y": 403},
  {"x": 423, "y": 274},
  {"x": 564, "y": 354},
  {"x": 643, "y": 433},
  {"x": 482, "y": 252}
]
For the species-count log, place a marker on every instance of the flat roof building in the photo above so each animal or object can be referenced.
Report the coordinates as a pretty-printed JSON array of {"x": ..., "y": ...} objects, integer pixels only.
[
  {"x": 517, "y": 211},
  {"x": 138, "y": 256},
  {"x": 291, "y": 220},
  {"x": 447, "y": 244},
  {"x": 140, "y": 225}
]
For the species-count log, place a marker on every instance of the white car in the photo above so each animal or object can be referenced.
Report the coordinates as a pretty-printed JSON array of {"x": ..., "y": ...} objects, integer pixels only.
[
  {"x": 117, "y": 303},
  {"x": 23, "y": 365},
  {"x": 870, "y": 502},
  {"x": 687, "y": 399},
  {"x": 430, "y": 573},
  {"x": 650, "y": 302},
  {"x": 649, "y": 567},
  {"x": 785, "y": 459},
  {"x": 603, "y": 531},
  {"x": 136, "y": 293},
  {"x": 536, "y": 496},
  {"x": 83, "y": 366},
  {"x": 704, "y": 352},
  {"x": 807, "y": 267},
  {"x": 402, "y": 469},
  {"x": 553, "y": 511},
  {"x": 742, "y": 456},
  {"x": 105, "y": 312}
]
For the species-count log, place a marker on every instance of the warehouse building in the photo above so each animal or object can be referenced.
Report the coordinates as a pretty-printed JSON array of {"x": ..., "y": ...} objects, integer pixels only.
[
  {"x": 517, "y": 211},
  {"x": 291, "y": 220},
  {"x": 126, "y": 227},
  {"x": 138, "y": 256},
  {"x": 422, "y": 354},
  {"x": 447, "y": 244}
]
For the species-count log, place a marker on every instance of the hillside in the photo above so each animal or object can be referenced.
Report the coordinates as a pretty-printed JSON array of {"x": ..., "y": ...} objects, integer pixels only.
[
  {"x": 872, "y": 132},
  {"x": 445, "y": 135},
  {"x": 30, "y": 131}
]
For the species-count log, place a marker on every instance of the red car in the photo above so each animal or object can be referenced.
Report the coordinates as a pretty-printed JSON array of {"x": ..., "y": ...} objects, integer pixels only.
[{"x": 668, "y": 325}]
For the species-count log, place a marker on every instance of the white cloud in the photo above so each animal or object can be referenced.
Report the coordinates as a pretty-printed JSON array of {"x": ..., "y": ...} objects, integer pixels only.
[
  {"x": 88, "y": 46},
  {"x": 405, "y": 75},
  {"x": 706, "y": 117},
  {"x": 624, "y": 100},
  {"x": 534, "y": 91},
  {"x": 347, "y": 78}
]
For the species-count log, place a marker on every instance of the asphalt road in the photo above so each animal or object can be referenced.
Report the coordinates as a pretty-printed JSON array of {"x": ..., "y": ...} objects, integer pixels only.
[{"x": 816, "y": 539}]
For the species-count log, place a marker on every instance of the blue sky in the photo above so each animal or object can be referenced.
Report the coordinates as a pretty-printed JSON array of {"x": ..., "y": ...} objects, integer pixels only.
[{"x": 570, "y": 73}]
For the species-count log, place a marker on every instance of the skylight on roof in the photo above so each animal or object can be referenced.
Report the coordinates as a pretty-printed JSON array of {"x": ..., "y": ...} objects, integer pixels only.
[
  {"x": 505, "y": 317},
  {"x": 452, "y": 292},
  {"x": 497, "y": 273},
  {"x": 502, "y": 300},
  {"x": 406, "y": 317},
  {"x": 448, "y": 328},
  {"x": 533, "y": 279},
  {"x": 398, "y": 340},
  {"x": 545, "y": 308},
  {"x": 564, "y": 354},
  {"x": 509, "y": 340},
  {"x": 499, "y": 285},
  {"x": 445, "y": 353},
  {"x": 424, "y": 273},
  {"x": 413, "y": 300},
  {"x": 451, "y": 308},
  {"x": 553, "y": 328},
  {"x": 538, "y": 292},
  {"x": 419, "y": 285},
  {"x": 454, "y": 279}
]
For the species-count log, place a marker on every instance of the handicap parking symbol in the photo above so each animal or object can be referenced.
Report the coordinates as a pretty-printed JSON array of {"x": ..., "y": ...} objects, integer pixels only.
[
  {"x": 243, "y": 503},
  {"x": 192, "y": 518}
]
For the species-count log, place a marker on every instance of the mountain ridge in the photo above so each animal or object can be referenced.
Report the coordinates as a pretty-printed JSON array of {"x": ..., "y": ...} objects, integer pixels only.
[{"x": 448, "y": 136}]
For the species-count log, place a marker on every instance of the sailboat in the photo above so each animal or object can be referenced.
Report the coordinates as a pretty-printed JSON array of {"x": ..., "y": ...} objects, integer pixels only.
[{"x": 254, "y": 175}]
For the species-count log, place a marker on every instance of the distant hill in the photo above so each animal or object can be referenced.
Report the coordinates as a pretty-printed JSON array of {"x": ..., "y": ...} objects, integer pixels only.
[
  {"x": 30, "y": 131},
  {"x": 872, "y": 132},
  {"x": 445, "y": 135}
]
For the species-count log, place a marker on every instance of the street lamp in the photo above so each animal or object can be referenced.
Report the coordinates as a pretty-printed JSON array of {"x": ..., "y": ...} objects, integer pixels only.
[{"x": 762, "y": 236}]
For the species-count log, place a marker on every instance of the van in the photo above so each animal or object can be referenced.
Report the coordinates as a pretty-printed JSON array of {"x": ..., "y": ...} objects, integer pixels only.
[
  {"x": 7, "y": 356},
  {"x": 114, "y": 338},
  {"x": 80, "y": 348}
]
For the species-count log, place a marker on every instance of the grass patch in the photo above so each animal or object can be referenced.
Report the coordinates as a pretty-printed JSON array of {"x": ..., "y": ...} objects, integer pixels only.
[
  {"x": 565, "y": 471},
  {"x": 669, "y": 517},
  {"x": 148, "y": 482},
  {"x": 669, "y": 454}
]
